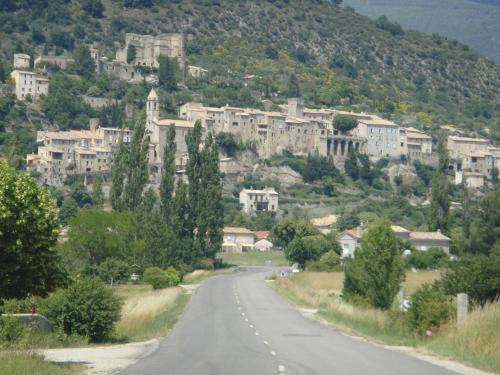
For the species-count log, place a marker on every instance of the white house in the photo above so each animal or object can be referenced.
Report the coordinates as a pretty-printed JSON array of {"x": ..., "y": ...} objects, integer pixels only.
[
  {"x": 259, "y": 200},
  {"x": 29, "y": 83},
  {"x": 349, "y": 241}
]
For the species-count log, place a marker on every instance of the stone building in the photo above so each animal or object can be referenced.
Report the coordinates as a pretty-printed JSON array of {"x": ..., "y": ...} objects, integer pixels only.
[
  {"x": 29, "y": 84},
  {"x": 61, "y": 61},
  {"x": 462, "y": 146},
  {"x": 74, "y": 152},
  {"x": 259, "y": 200},
  {"x": 149, "y": 48},
  {"x": 21, "y": 61},
  {"x": 382, "y": 137},
  {"x": 237, "y": 240},
  {"x": 99, "y": 102},
  {"x": 416, "y": 145},
  {"x": 197, "y": 71}
]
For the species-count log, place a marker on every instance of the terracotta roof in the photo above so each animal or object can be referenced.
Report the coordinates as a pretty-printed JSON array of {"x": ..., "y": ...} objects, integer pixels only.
[
  {"x": 262, "y": 234},
  {"x": 466, "y": 139},
  {"x": 351, "y": 232},
  {"x": 428, "y": 236},
  {"x": 177, "y": 123},
  {"x": 398, "y": 229},
  {"x": 238, "y": 230},
  {"x": 377, "y": 121}
]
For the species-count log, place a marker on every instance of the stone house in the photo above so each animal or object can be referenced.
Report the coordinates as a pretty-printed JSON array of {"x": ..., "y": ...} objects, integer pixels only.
[
  {"x": 29, "y": 84},
  {"x": 21, "y": 61},
  {"x": 100, "y": 102},
  {"x": 74, "y": 152},
  {"x": 149, "y": 48},
  {"x": 459, "y": 147},
  {"x": 61, "y": 61},
  {"x": 472, "y": 180},
  {"x": 252, "y": 200},
  {"x": 423, "y": 241},
  {"x": 382, "y": 137},
  {"x": 237, "y": 240},
  {"x": 325, "y": 223},
  {"x": 349, "y": 241},
  {"x": 482, "y": 161}
]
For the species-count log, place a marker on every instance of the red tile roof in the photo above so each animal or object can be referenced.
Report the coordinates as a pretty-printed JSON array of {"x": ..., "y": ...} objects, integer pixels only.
[
  {"x": 262, "y": 234},
  {"x": 238, "y": 230}
]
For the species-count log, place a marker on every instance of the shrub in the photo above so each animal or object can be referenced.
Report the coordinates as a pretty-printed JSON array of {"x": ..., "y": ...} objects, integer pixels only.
[
  {"x": 10, "y": 329},
  {"x": 206, "y": 264},
  {"x": 159, "y": 278},
  {"x": 87, "y": 308},
  {"x": 113, "y": 270},
  {"x": 429, "y": 307},
  {"x": 430, "y": 259},
  {"x": 329, "y": 262}
]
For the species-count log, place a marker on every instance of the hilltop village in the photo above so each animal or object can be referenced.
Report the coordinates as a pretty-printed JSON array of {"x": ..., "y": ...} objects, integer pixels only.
[{"x": 289, "y": 127}]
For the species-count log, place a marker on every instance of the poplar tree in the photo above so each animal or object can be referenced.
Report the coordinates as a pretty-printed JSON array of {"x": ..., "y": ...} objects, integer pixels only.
[
  {"x": 182, "y": 223},
  {"x": 443, "y": 154},
  {"x": 137, "y": 167},
  {"x": 168, "y": 174},
  {"x": 440, "y": 202},
  {"x": 118, "y": 176},
  {"x": 97, "y": 194}
]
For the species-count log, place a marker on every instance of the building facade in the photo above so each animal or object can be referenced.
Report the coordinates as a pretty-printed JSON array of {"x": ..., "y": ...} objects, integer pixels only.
[
  {"x": 21, "y": 61},
  {"x": 237, "y": 240},
  {"x": 259, "y": 200},
  {"x": 29, "y": 85}
]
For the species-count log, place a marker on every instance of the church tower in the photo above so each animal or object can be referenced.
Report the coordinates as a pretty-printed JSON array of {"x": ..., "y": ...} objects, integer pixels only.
[{"x": 152, "y": 109}]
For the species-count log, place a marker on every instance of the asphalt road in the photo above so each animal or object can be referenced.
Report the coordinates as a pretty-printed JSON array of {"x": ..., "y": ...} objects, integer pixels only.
[{"x": 237, "y": 325}]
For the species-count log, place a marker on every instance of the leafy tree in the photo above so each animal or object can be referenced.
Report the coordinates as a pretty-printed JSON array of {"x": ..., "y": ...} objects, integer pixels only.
[
  {"x": 227, "y": 143},
  {"x": 347, "y": 221},
  {"x": 95, "y": 235},
  {"x": 68, "y": 209},
  {"x": 61, "y": 38},
  {"x": 329, "y": 262},
  {"x": 485, "y": 228},
  {"x": 28, "y": 233},
  {"x": 431, "y": 259},
  {"x": 3, "y": 72},
  {"x": 344, "y": 123},
  {"x": 477, "y": 275},
  {"x": 429, "y": 307},
  {"x": 97, "y": 193},
  {"x": 392, "y": 27},
  {"x": 289, "y": 229},
  {"x": 494, "y": 176},
  {"x": 318, "y": 167},
  {"x": 131, "y": 54},
  {"x": 381, "y": 266},
  {"x": 440, "y": 203},
  {"x": 93, "y": 8},
  {"x": 84, "y": 63},
  {"x": 87, "y": 308},
  {"x": 424, "y": 172},
  {"x": 443, "y": 154},
  {"x": 351, "y": 165},
  {"x": 113, "y": 271},
  {"x": 294, "y": 87},
  {"x": 37, "y": 35},
  {"x": 167, "y": 73},
  {"x": 160, "y": 279},
  {"x": 308, "y": 248},
  {"x": 167, "y": 174}
]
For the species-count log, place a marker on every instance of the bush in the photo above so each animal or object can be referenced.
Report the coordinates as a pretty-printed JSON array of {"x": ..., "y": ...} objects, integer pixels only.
[
  {"x": 329, "y": 262},
  {"x": 10, "y": 329},
  {"x": 429, "y": 307},
  {"x": 87, "y": 308},
  {"x": 431, "y": 259},
  {"x": 160, "y": 279},
  {"x": 206, "y": 264},
  {"x": 113, "y": 271}
]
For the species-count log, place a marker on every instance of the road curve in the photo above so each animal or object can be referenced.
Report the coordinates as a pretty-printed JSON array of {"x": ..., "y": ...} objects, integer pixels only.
[{"x": 237, "y": 325}]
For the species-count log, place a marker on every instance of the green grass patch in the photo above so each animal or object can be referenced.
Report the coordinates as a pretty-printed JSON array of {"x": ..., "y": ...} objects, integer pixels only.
[
  {"x": 30, "y": 364},
  {"x": 257, "y": 258}
]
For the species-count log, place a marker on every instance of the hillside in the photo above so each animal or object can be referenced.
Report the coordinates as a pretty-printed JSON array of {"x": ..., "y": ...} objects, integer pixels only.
[
  {"x": 339, "y": 56},
  {"x": 473, "y": 22}
]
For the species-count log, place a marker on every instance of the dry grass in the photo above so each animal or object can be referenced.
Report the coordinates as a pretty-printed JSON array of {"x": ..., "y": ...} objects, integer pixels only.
[
  {"x": 143, "y": 308},
  {"x": 198, "y": 276},
  {"x": 416, "y": 279},
  {"x": 476, "y": 342}
]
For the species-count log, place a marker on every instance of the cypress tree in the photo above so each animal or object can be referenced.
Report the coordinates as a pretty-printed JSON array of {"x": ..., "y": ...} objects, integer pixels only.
[
  {"x": 167, "y": 175},
  {"x": 440, "y": 202},
  {"x": 137, "y": 167},
  {"x": 97, "y": 194},
  {"x": 293, "y": 87},
  {"x": 118, "y": 176},
  {"x": 166, "y": 73}
]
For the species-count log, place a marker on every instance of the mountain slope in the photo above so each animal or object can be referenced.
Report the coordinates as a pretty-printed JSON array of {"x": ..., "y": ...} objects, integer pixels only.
[
  {"x": 339, "y": 56},
  {"x": 473, "y": 22}
]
